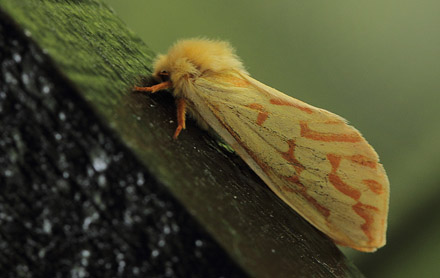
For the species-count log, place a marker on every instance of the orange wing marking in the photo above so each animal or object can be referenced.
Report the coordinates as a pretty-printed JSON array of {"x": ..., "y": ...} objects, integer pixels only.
[
  {"x": 328, "y": 137},
  {"x": 366, "y": 212},
  {"x": 302, "y": 190},
  {"x": 374, "y": 186},
  {"x": 363, "y": 160},
  {"x": 290, "y": 157},
  {"x": 279, "y": 101},
  {"x": 337, "y": 182},
  {"x": 262, "y": 115},
  {"x": 363, "y": 210}
]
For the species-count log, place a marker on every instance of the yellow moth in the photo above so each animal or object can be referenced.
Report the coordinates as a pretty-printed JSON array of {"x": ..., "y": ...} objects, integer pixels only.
[{"x": 311, "y": 158}]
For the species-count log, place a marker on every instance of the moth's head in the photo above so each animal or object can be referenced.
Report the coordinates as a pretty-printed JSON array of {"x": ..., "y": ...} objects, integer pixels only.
[{"x": 194, "y": 57}]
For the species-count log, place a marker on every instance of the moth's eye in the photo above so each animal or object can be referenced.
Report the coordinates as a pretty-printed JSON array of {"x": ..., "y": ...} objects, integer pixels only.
[{"x": 164, "y": 75}]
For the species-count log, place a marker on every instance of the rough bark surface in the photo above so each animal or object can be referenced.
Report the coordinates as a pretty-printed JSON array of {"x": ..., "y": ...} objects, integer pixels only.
[{"x": 90, "y": 174}]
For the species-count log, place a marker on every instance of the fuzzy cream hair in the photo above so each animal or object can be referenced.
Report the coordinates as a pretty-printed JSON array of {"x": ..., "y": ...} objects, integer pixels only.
[{"x": 194, "y": 57}]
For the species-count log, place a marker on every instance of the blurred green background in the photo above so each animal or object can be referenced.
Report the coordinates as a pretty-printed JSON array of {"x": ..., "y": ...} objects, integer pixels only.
[{"x": 376, "y": 63}]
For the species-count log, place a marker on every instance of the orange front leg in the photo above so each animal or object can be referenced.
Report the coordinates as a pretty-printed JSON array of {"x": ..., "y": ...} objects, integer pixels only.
[
  {"x": 154, "y": 88},
  {"x": 181, "y": 111}
]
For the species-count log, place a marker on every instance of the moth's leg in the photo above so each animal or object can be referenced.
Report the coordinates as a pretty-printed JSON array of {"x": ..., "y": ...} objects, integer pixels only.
[
  {"x": 154, "y": 88},
  {"x": 181, "y": 111}
]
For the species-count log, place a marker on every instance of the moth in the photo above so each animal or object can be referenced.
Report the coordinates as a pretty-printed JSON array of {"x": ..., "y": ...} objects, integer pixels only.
[{"x": 311, "y": 158}]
